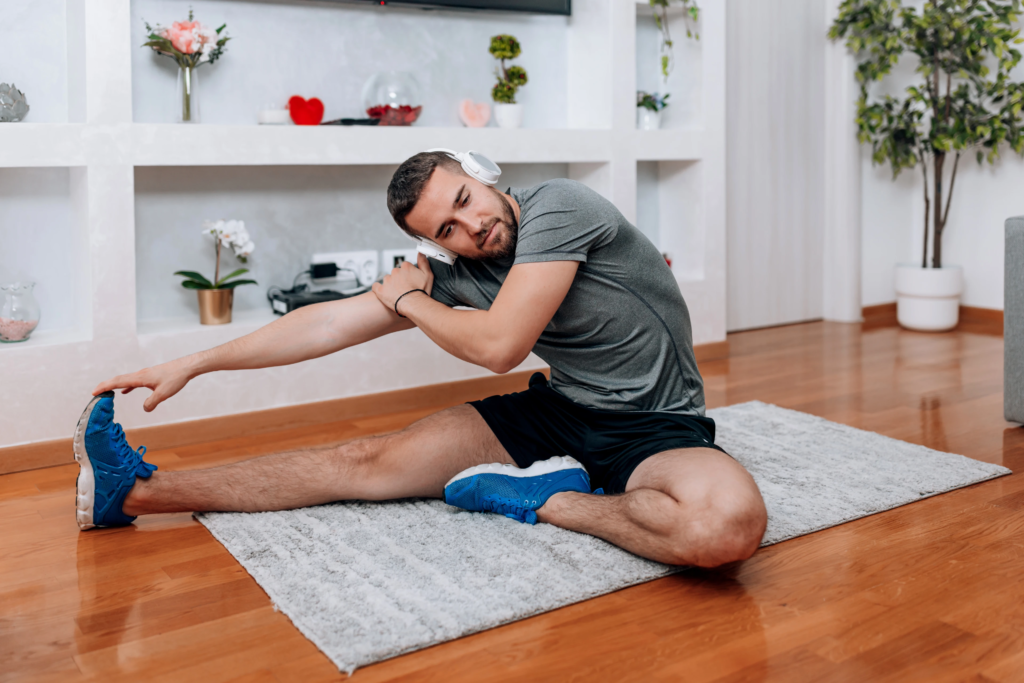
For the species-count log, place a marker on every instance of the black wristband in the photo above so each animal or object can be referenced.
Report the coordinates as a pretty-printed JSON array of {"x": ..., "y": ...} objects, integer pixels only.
[{"x": 400, "y": 298}]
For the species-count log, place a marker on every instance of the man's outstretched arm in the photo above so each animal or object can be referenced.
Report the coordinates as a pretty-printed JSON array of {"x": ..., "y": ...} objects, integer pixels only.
[
  {"x": 307, "y": 333},
  {"x": 499, "y": 339}
]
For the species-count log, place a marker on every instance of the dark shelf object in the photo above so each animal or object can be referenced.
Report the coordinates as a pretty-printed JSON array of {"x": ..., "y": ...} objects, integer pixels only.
[
  {"x": 563, "y": 7},
  {"x": 351, "y": 122}
]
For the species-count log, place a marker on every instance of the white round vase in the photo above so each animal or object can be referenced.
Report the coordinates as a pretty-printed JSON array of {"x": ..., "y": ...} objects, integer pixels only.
[
  {"x": 508, "y": 115},
  {"x": 928, "y": 299},
  {"x": 647, "y": 119}
]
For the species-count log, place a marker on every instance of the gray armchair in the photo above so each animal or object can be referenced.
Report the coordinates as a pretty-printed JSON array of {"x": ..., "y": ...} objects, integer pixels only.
[{"x": 1013, "y": 322}]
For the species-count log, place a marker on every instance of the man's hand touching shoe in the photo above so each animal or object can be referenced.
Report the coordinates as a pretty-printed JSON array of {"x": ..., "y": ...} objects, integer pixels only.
[{"x": 165, "y": 380}]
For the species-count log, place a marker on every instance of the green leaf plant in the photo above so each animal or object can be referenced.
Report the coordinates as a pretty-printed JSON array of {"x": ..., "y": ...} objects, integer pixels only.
[
  {"x": 235, "y": 236},
  {"x": 651, "y": 101},
  {"x": 510, "y": 78},
  {"x": 965, "y": 99},
  {"x": 691, "y": 13}
]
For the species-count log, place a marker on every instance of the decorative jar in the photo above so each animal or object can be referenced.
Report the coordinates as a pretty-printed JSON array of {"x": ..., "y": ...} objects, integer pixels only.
[
  {"x": 393, "y": 97},
  {"x": 215, "y": 306},
  {"x": 19, "y": 311}
]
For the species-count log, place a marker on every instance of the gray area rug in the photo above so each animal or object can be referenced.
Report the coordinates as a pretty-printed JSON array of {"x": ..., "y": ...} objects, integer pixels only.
[{"x": 369, "y": 581}]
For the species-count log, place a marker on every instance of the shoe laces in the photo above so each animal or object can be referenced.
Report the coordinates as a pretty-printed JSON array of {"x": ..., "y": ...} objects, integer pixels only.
[
  {"x": 130, "y": 457},
  {"x": 507, "y": 506}
]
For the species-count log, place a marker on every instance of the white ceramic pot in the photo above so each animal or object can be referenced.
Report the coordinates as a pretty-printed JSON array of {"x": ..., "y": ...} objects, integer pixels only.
[
  {"x": 508, "y": 115},
  {"x": 928, "y": 299},
  {"x": 647, "y": 119}
]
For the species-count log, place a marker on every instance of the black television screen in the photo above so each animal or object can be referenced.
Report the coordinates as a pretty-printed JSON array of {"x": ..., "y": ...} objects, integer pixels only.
[{"x": 534, "y": 6}]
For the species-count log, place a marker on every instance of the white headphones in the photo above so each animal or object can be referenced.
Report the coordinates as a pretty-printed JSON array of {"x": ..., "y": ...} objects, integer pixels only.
[{"x": 476, "y": 166}]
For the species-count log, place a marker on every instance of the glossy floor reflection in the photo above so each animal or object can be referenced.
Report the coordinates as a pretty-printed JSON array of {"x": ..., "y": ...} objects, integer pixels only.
[{"x": 930, "y": 591}]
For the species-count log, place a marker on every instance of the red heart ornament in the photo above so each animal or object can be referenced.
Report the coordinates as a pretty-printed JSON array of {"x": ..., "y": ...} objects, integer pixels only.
[{"x": 306, "y": 112}]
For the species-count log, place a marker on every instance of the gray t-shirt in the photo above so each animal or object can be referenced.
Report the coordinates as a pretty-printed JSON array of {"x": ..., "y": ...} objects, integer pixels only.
[{"x": 621, "y": 339}]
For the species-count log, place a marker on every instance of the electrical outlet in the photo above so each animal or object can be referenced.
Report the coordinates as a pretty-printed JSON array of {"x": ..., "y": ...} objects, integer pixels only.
[
  {"x": 363, "y": 263},
  {"x": 393, "y": 258}
]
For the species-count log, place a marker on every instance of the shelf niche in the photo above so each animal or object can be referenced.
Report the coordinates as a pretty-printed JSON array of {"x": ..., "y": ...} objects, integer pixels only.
[
  {"x": 670, "y": 213},
  {"x": 685, "y": 82},
  {"x": 290, "y": 211}
]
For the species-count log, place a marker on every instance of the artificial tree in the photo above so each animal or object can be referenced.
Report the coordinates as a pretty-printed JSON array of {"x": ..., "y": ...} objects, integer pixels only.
[
  {"x": 964, "y": 99},
  {"x": 510, "y": 78}
]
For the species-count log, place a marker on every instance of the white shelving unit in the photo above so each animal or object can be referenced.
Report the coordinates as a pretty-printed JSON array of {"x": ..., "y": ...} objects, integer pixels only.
[{"x": 102, "y": 146}]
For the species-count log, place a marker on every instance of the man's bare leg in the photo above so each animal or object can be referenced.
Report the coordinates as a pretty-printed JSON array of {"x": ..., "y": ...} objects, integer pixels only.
[
  {"x": 690, "y": 506},
  {"x": 416, "y": 461}
]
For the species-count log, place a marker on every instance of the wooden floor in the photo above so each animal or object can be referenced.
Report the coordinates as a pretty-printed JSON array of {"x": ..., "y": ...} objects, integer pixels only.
[{"x": 933, "y": 591}]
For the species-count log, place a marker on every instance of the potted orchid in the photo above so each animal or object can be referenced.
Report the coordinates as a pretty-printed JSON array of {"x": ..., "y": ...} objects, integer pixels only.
[
  {"x": 190, "y": 44},
  {"x": 216, "y": 297}
]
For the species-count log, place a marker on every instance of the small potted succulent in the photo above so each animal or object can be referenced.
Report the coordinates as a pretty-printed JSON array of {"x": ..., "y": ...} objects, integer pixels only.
[
  {"x": 648, "y": 110},
  {"x": 217, "y": 297},
  {"x": 507, "y": 112}
]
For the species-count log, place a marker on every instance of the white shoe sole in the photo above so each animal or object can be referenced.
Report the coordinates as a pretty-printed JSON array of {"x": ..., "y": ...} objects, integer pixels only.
[
  {"x": 555, "y": 464},
  {"x": 86, "y": 479}
]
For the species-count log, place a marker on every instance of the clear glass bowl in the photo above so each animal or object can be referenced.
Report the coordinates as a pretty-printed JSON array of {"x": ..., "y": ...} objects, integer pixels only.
[
  {"x": 19, "y": 311},
  {"x": 393, "y": 97}
]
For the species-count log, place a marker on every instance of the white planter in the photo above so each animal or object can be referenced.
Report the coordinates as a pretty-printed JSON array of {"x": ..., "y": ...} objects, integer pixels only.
[
  {"x": 647, "y": 119},
  {"x": 508, "y": 115},
  {"x": 928, "y": 299}
]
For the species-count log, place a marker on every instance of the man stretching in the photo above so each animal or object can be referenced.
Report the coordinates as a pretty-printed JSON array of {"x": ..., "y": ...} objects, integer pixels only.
[{"x": 554, "y": 269}]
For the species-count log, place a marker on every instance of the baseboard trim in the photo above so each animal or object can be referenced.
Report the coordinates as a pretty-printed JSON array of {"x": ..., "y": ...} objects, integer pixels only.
[
  {"x": 713, "y": 351},
  {"x": 981, "y": 320},
  {"x": 881, "y": 315},
  {"x": 59, "y": 452},
  {"x": 972, "y": 318}
]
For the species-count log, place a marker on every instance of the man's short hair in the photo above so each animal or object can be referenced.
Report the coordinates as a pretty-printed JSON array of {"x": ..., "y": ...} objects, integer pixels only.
[{"x": 409, "y": 180}]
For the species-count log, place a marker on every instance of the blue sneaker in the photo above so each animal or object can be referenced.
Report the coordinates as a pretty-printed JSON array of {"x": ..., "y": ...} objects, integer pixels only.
[
  {"x": 108, "y": 466},
  {"x": 514, "y": 492}
]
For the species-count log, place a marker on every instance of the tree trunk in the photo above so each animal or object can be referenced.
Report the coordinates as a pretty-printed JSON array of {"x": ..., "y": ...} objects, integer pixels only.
[
  {"x": 927, "y": 212},
  {"x": 938, "y": 224}
]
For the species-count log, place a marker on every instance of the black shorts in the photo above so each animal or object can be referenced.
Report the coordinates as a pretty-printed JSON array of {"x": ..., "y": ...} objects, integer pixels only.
[{"x": 540, "y": 423}]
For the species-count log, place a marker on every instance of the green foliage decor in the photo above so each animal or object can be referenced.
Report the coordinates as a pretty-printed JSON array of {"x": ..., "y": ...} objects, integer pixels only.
[
  {"x": 691, "y": 13},
  {"x": 651, "y": 101},
  {"x": 965, "y": 98},
  {"x": 510, "y": 78}
]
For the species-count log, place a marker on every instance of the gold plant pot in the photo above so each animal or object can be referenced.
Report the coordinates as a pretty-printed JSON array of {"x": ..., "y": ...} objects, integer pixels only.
[{"x": 215, "y": 305}]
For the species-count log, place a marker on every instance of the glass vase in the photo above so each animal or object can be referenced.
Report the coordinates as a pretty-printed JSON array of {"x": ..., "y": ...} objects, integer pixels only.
[
  {"x": 393, "y": 97},
  {"x": 187, "y": 95},
  {"x": 19, "y": 311}
]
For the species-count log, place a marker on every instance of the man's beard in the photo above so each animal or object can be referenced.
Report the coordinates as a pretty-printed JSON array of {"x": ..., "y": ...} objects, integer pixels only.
[{"x": 507, "y": 246}]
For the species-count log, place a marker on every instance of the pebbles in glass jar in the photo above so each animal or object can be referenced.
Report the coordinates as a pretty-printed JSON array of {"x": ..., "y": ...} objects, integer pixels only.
[{"x": 19, "y": 311}]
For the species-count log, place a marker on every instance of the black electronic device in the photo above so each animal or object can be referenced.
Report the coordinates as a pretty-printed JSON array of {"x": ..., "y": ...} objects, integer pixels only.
[
  {"x": 563, "y": 7},
  {"x": 287, "y": 301},
  {"x": 352, "y": 122}
]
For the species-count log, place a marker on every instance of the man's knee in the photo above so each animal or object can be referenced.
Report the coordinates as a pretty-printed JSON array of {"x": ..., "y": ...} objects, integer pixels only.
[{"x": 728, "y": 529}]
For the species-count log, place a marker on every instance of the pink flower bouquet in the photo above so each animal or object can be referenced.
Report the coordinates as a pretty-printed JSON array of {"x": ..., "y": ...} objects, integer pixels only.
[{"x": 189, "y": 43}]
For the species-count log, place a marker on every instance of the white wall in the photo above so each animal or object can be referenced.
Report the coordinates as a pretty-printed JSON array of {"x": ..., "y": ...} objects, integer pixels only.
[
  {"x": 329, "y": 50},
  {"x": 776, "y": 157}
]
